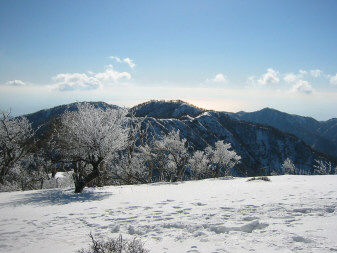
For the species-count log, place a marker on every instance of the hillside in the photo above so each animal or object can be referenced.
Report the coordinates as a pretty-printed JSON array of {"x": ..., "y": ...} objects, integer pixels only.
[
  {"x": 320, "y": 135},
  {"x": 288, "y": 214},
  {"x": 262, "y": 148}
]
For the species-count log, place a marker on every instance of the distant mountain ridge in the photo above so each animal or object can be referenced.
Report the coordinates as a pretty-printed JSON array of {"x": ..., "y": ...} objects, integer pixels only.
[
  {"x": 262, "y": 147},
  {"x": 320, "y": 135},
  {"x": 166, "y": 109}
]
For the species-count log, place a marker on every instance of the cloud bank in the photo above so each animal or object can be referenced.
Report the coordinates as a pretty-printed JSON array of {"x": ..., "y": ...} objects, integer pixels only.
[{"x": 90, "y": 81}]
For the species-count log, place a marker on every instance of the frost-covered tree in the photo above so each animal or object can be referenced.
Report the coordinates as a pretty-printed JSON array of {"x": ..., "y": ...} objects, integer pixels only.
[
  {"x": 199, "y": 163},
  {"x": 134, "y": 164},
  {"x": 175, "y": 151},
  {"x": 223, "y": 158},
  {"x": 321, "y": 167},
  {"x": 90, "y": 136},
  {"x": 288, "y": 167},
  {"x": 146, "y": 153},
  {"x": 16, "y": 142},
  {"x": 128, "y": 170}
]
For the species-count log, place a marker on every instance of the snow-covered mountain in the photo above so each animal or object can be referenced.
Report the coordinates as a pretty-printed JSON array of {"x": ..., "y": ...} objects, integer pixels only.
[
  {"x": 262, "y": 148},
  {"x": 320, "y": 135}
]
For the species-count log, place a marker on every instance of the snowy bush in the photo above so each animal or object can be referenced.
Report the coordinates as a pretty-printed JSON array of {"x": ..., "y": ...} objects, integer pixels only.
[
  {"x": 24, "y": 175},
  {"x": 199, "y": 165},
  {"x": 175, "y": 152},
  {"x": 288, "y": 167},
  {"x": 129, "y": 165},
  {"x": 322, "y": 167},
  {"x": 223, "y": 158},
  {"x": 115, "y": 245},
  {"x": 128, "y": 169}
]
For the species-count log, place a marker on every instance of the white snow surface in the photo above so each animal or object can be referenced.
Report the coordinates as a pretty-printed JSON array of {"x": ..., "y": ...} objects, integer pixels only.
[{"x": 288, "y": 214}]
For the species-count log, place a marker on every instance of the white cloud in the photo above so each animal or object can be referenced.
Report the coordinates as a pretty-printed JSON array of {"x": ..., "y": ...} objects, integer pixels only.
[
  {"x": 129, "y": 62},
  {"x": 125, "y": 60},
  {"x": 90, "y": 81},
  {"x": 117, "y": 59},
  {"x": 270, "y": 77},
  {"x": 76, "y": 81},
  {"x": 290, "y": 78},
  {"x": 302, "y": 72},
  {"x": 315, "y": 72},
  {"x": 16, "y": 83},
  {"x": 333, "y": 79},
  {"x": 302, "y": 86},
  {"x": 219, "y": 78},
  {"x": 111, "y": 75}
]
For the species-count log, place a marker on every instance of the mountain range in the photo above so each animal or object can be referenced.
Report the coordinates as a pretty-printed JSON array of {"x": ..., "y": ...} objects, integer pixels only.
[{"x": 264, "y": 139}]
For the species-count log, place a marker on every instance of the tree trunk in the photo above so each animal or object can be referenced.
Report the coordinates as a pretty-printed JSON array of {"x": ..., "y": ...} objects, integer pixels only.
[
  {"x": 217, "y": 170},
  {"x": 3, "y": 174},
  {"x": 81, "y": 183},
  {"x": 150, "y": 171},
  {"x": 180, "y": 172}
]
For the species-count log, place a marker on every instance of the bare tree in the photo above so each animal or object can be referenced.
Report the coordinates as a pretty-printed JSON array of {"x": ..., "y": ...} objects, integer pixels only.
[{"x": 90, "y": 136}]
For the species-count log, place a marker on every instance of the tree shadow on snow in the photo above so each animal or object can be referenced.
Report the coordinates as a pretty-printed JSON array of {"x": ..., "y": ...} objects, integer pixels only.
[{"x": 56, "y": 197}]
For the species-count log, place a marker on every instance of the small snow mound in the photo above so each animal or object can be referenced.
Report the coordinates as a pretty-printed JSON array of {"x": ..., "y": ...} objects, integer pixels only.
[
  {"x": 301, "y": 239},
  {"x": 174, "y": 225},
  {"x": 330, "y": 209},
  {"x": 302, "y": 210},
  {"x": 220, "y": 229},
  {"x": 250, "y": 227},
  {"x": 247, "y": 228},
  {"x": 133, "y": 231}
]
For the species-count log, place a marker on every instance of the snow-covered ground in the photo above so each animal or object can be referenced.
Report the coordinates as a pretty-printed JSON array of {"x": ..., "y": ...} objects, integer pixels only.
[{"x": 288, "y": 214}]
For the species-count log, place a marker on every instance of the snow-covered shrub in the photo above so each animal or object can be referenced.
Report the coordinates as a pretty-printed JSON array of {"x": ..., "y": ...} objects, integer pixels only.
[
  {"x": 322, "y": 168},
  {"x": 129, "y": 165},
  {"x": 223, "y": 158},
  {"x": 198, "y": 164},
  {"x": 115, "y": 245},
  {"x": 25, "y": 175},
  {"x": 274, "y": 173},
  {"x": 128, "y": 169},
  {"x": 288, "y": 167},
  {"x": 175, "y": 152}
]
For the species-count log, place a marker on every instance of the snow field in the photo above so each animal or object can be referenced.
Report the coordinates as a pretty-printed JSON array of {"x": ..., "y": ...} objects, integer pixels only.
[{"x": 288, "y": 214}]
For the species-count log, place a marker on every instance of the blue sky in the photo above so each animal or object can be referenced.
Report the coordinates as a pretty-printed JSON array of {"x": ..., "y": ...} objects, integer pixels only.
[{"x": 224, "y": 55}]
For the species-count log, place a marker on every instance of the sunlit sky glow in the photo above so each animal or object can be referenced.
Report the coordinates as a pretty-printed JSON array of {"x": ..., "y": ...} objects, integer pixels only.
[{"x": 223, "y": 55}]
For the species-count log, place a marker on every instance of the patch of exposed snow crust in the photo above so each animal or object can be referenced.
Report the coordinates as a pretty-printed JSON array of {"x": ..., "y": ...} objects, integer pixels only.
[{"x": 288, "y": 214}]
